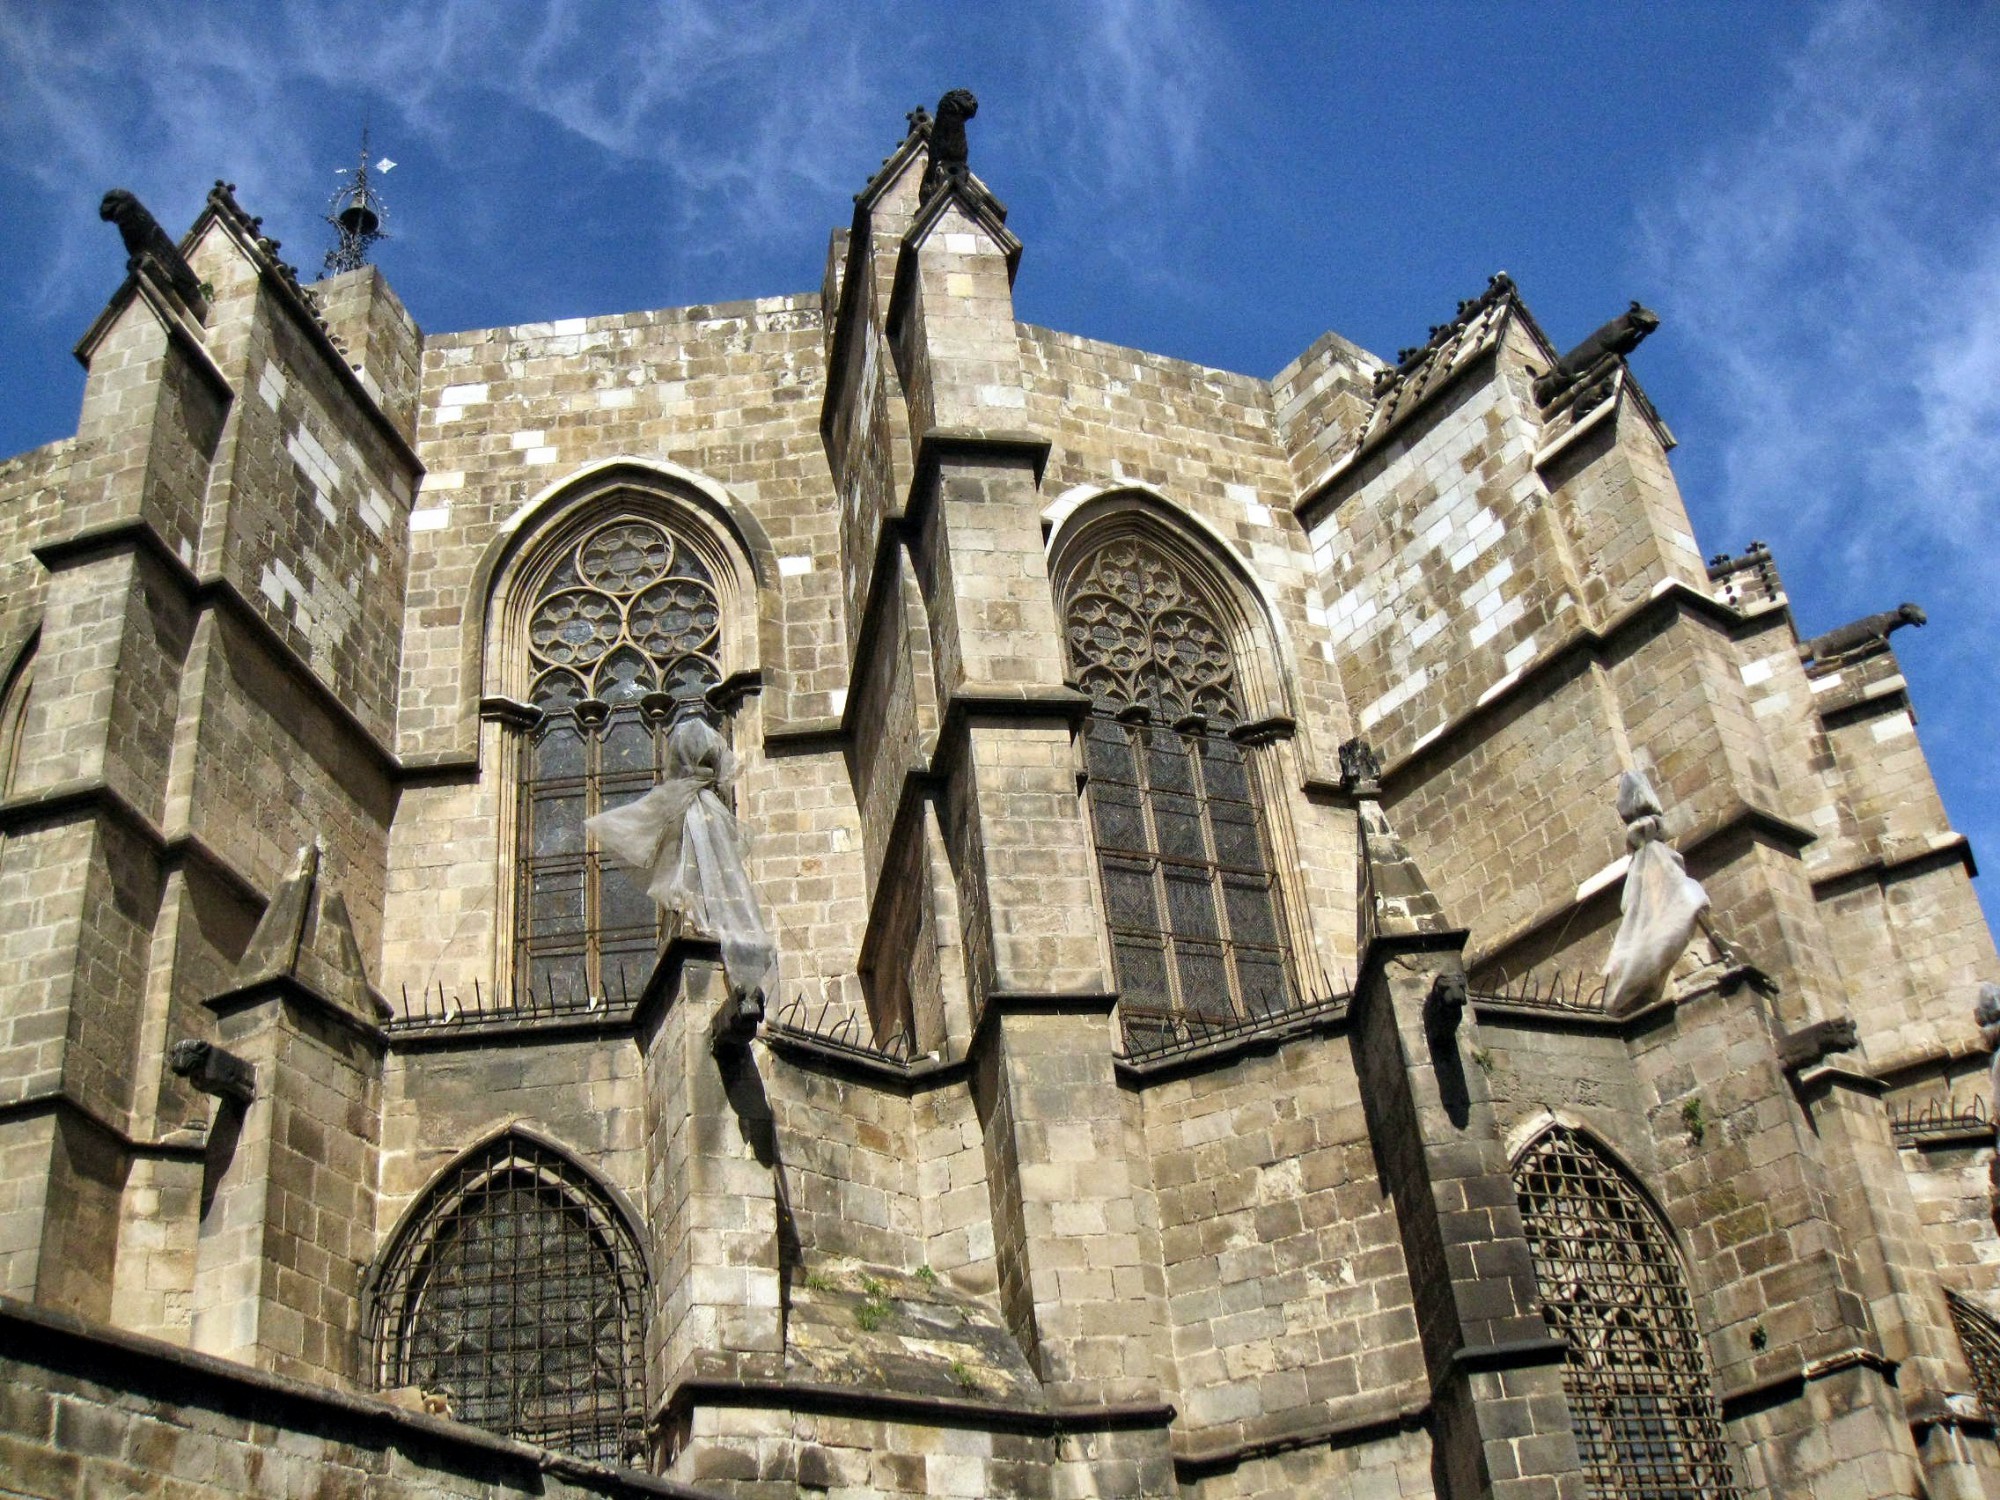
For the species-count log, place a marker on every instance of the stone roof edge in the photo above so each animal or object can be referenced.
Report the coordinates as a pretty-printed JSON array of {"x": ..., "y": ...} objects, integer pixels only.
[
  {"x": 49, "y": 1339},
  {"x": 1021, "y": 326},
  {"x": 1332, "y": 338},
  {"x": 741, "y": 307},
  {"x": 283, "y": 278},
  {"x": 46, "y": 451}
]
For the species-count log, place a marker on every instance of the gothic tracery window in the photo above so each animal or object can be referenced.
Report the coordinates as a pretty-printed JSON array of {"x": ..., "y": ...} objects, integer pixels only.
[
  {"x": 1196, "y": 928},
  {"x": 1637, "y": 1375},
  {"x": 518, "y": 1291},
  {"x": 1979, "y": 1337},
  {"x": 627, "y": 617}
]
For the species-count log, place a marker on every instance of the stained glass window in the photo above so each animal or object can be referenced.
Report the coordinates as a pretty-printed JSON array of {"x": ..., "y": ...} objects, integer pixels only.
[
  {"x": 1637, "y": 1376},
  {"x": 627, "y": 617},
  {"x": 517, "y": 1290},
  {"x": 1188, "y": 889}
]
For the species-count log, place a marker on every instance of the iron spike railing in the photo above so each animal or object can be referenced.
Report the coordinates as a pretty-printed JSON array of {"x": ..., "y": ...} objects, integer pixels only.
[
  {"x": 436, "y": 1006},
  {"x": 1927, "y": 1119},
  {"x": 1575, "y": 994},
  {"x": 842, "y": 1031},
  {"x": 1157, "y": 1037}
]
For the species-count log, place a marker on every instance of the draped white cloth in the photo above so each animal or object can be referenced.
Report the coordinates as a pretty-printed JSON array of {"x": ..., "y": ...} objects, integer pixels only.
[
  {"x": 683, "y": 841},
  {"x": 1661, "y": 903}
]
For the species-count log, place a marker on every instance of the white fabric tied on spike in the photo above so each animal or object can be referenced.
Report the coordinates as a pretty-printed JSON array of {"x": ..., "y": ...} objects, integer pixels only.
[
  {"x": 1986, "y": 1012},
  {"x": 1661, "y": 903},
  {"x": 683, "y": 841}
]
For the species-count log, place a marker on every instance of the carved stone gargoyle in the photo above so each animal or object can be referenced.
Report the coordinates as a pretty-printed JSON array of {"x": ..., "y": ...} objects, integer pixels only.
[
  {"x": 948, "y": 156},
  {"x": 1863, "y": 634},
  {"x": 1619, "y": 337},
  {"x": 1813, "y": 1044},
  {"x": 145, "y": 240},
  {"x": 1444, "y": 1007},
  {"x": 213, "y": 1071},
  {"x": 1360, "y": 767}
]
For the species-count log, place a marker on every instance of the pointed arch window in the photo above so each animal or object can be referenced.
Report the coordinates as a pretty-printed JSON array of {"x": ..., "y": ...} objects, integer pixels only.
[
  {"x": 627, "y": 617},
  {"x": 518, "y": 1289},
  {"x": 14, "y": 713},
  {"x": 1979, "y": 1337},
  {"x": 1197, "y": 928},
  {"x": 1637, "y": 1376}
]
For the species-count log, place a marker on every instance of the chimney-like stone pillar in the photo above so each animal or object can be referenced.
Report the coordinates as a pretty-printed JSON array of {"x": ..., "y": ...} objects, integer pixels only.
[
  {"x": 1501, "y": 1420},
  {"x": 712, "y": 1202},
  {"x": 288, "y": 1221}
]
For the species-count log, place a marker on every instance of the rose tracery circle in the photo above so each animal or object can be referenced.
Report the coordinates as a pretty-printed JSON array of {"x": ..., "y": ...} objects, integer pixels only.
[
  {"x": 626, "y": 556},
  {"x": 631, "y": 608},
  {"x": 1139, "y": 635}
]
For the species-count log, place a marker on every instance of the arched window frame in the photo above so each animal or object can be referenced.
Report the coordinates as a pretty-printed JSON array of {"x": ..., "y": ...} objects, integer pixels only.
[
  {"x": 1979, "y": 1337},
  {"x": 700, "y": 516},
  {"x": 1261, "y": 732},
  {"x": 605, "y": 1424},
  {"x": 17, "y": 680},
  {"x": 1647, "y": 1428}
]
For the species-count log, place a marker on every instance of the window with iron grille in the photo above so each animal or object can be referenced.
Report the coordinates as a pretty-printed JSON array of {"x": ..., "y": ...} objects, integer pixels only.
[
  {"x": 1194, "y": 909},
  {"x": 1640, "y": 1390},
  {"x": 626, "y": 618},
  {"x": 519, "y": 1291},
  {"x": 1979, "y": 1337}
]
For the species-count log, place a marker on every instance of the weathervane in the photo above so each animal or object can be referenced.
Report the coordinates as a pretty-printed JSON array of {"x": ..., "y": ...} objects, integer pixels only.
[{"x": 356, "y": 211}]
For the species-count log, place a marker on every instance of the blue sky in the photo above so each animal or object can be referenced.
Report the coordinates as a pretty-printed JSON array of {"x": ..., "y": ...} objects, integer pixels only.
[{"x": 1806, "y": 194}]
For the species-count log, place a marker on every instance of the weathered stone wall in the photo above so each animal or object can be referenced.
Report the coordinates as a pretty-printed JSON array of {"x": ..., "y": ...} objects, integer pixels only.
[
  {"x": 90, "y": 1413},
  {"x": 1319, "y": 400},
  {"x": 1288, "y": 1298},
  {"x": 32, "y": 490},
  {"x": 273, "y": 634},
  {"x": 444, "y": 1094}
]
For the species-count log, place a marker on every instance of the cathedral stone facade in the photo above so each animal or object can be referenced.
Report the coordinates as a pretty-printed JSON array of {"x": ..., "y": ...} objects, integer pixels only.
[{"x": 1186, "y": 807}]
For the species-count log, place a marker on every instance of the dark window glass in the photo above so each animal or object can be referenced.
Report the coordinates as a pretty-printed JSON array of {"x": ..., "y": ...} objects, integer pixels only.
[
  {"x": 517, "y": 1290},
  {"x": 1637, "y": 1376},
  {"x": 627, "y": 611},
  {"x": 1188, "y": 889}
]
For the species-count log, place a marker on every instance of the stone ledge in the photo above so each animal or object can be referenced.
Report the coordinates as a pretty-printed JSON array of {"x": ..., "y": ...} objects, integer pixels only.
[
  {"x": 1670, "y": 596},
  {"x": 216, "y": 592},
  {"x": 68, "y": 800},
  {"x": 1051, "y": 1420},
  {"x": 1196, "y": 1460},
  {"x": 1883, "y": 864},
  {"x": 153, "y": 1369}
]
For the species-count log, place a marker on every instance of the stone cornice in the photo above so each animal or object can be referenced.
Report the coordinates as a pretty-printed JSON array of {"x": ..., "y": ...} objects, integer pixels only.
[
  {"x": 52, "y": 1340},
  {"x": 214, "y": 591},
  {"x": 294, "y": 993},
  {"x": 94, "y": 797},
  {"x": 1053, "y": 1419}
]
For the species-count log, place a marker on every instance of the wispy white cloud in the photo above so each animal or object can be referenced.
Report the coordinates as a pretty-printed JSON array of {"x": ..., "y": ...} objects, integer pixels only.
[
  {"x": 732, "y": 105},
  {"x": 1836, "y": 273},
  {"x": 1123, "y": 120},
  {"x": 725, "y": 113}
]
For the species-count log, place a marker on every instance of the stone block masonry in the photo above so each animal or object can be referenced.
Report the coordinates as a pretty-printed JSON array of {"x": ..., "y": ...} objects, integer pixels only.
[{"x": 1159, "y": 1090}]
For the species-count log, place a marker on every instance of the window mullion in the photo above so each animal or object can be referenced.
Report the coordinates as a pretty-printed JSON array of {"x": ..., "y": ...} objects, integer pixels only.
[
  {"x": 1197, "y": 757},
  {"x": 593, "y": 873},
  {"x": 1139, "y": 737}
]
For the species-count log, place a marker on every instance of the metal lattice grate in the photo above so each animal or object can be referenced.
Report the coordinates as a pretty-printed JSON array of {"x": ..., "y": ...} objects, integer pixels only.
[
  {"x": 627, "y": 618},
  {"x": 1637, "y": 1376},
  {"x": 1979, "y": 1336},
  {"x": 520, "y": 1292},
  {"x": 1197, "y": 929}
]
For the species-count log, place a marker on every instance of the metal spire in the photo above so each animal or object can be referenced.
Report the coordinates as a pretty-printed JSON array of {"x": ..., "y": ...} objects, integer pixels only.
[{"x": 356, "y": 212}]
